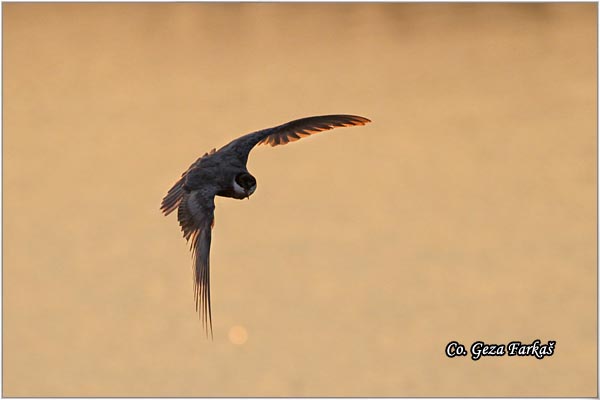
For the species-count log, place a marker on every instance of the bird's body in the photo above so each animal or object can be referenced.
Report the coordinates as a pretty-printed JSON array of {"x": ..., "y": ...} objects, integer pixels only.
[{"x": 224, "y": 173}]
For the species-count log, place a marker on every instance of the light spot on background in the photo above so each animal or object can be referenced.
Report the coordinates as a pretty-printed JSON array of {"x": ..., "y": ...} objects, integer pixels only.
[{"x": 238, "y": 335}]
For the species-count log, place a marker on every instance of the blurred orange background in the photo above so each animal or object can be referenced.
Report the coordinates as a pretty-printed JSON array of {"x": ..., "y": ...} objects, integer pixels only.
[{"x": 466, "y": 211}]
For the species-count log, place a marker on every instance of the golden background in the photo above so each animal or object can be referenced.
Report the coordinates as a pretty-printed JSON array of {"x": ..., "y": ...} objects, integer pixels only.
[{"x": 466, "y": 211}]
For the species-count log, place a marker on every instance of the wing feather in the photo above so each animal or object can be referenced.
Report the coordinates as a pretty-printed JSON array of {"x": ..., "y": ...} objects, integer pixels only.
[
  {"x": 290, "y": 132},
  {"x": 196, "y": 216},
  {"x": 286, "y": 133},
  {"x": 173, "y": 198}
]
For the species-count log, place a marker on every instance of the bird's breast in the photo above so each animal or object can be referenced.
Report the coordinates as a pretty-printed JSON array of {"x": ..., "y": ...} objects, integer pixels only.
[{"x": 232, "y": 193}]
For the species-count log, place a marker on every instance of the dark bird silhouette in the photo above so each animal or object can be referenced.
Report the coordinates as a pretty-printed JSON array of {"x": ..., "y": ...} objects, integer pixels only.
[{"x": 224, "y": 173}]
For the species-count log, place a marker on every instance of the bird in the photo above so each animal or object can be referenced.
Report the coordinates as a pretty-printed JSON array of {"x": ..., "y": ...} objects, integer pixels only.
[{"x": 223, "y": 173}]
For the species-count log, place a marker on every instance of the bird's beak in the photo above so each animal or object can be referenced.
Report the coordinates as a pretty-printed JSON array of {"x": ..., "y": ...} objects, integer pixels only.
[{"x": 247, "y": 195}]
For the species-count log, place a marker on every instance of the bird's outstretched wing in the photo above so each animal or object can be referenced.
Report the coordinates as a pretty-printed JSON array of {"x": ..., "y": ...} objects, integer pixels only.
[
  {"x": 196, "y": 217},
  {"x": 292, "y": 131}
]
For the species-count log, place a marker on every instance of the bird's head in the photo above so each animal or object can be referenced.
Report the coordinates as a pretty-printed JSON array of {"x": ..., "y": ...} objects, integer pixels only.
[{"x": 244, "y": 184}]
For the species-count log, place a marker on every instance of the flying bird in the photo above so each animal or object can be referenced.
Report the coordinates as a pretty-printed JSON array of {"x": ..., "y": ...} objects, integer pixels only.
[{"x": 223, "y": 173}]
